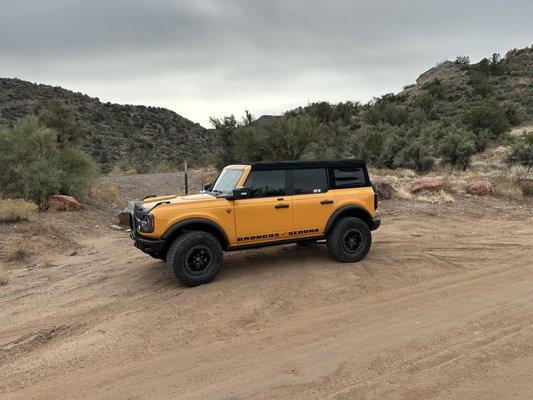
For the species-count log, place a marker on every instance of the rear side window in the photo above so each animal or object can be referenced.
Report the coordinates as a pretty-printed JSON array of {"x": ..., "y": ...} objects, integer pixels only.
[
  {"x": 310, "y": 180},
  {"x": 348, "y": 178},
  {"x": 266, "y": 183}
]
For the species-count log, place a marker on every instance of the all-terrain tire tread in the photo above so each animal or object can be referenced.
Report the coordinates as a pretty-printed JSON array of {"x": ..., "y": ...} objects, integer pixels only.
[
  {"x": 184, "y": 241},
  {"x": 333, "y": 241}
]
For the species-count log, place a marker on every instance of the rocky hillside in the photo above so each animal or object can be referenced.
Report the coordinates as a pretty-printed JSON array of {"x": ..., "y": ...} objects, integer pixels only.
[
  {"x": 451, "y": 84},
  {"x": 145, "y": 137}
]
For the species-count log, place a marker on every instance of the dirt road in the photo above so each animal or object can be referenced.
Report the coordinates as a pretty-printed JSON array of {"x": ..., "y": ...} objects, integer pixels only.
[{"x": 442, "y": 308}]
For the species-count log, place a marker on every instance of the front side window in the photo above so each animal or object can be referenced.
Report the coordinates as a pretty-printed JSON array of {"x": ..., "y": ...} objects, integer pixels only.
[
  {"x": 266, "y": 183},
  {"x": 347, "y": 178},
  {"x": 310, "y": 180},
  {"x": 227, "y": 180}
]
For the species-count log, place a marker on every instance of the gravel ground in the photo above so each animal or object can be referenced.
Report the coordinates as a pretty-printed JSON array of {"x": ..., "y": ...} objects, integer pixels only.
[{"x": 143, "y": 185}]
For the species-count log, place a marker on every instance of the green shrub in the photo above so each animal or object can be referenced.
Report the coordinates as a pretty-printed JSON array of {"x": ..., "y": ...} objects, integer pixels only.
[
  {"x": 291, "y": 137},
  {"x": 483, "y": 88},
  {"x": 225, "y": 140},
  {"x": 386, "y": 110},
  {"x": 76, "y": 170},
  {"x": 522, "y": 151},
  {"x": 39, "y": 179},
  {"x": 456, "y": 147},
  {"x": 514, "y": 113},
  {"x": 435, "y": 88},
  {"x": 491, "y": 116},
  {"x": 481, "y": 139},
  {"x": 426, "y": 102},
  {"x": 285, "y": 138},
  {"x": 368, "y": 144},
  {"x": 35, "y": 165},
  {"x": 415, "y": 156},
  {"x": 462, "y": 60},
  {"x": 59, "y": 117}
]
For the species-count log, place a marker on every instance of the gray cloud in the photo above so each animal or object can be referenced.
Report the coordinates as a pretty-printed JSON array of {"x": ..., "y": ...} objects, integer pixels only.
[{"x": 209, "y": 57}]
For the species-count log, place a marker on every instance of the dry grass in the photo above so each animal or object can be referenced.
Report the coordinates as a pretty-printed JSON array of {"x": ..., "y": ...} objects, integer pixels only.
[
  {"x": 435, "y": 197},
  {"x": 507, "y": 184},
  {"x": 18, "y": 249},
  {"x": 110, "y": 194},
  {"x": 508, "y": 189},
  {"x": 129, "y": 172},
  {"x": 399, "y": 173},
  {"x": 401, "y": 193},
  {"x": 446, "y": 197},
  {"x": 16, "y": 210}
]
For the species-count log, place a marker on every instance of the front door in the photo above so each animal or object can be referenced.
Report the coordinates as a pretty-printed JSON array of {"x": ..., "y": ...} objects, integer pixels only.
[
  {"x": 313, "y": 204},
  {"x": 267, "y": 215}
]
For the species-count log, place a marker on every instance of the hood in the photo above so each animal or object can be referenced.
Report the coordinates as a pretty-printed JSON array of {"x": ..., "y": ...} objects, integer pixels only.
[{"x": 150, "y": 202}]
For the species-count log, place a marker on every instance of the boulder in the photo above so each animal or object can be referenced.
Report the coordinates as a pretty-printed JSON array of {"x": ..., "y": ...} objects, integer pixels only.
[
  {"x": 124, "y": 215},
  {"x": 60, "y": 202},
  {"x": 384, "y": 190},
  {"x": 479, "y": 188},
  {"x": 426, "y": 184},
  {"x": 124, "y": 219}
]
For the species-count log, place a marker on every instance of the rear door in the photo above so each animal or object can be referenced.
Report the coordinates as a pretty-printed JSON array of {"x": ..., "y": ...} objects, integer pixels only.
[
  {"x": 313, "y": 203},
  {"x": 267, "y": 215}
]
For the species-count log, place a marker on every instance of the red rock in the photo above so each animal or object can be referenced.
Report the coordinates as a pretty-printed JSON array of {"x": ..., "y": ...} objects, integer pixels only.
[
  {"x": 426, "y": 184},
  {"x": 60, "y": 202},
  {"x": 480, "y": 188}
]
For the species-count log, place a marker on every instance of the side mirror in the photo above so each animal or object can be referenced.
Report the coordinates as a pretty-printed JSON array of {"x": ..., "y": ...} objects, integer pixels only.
[
  {"x": 207, "y": 186},
  {"x": 240, "y": 193}
]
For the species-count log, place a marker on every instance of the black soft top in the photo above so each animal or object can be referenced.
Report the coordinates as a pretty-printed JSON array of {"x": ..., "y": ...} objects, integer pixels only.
[{"x": 341, "y": 164}]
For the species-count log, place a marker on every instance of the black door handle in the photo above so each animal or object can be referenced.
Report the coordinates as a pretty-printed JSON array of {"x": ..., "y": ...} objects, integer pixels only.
[
  {"x": 281, "y": 206},
  {"x": 326, "y": 201}
]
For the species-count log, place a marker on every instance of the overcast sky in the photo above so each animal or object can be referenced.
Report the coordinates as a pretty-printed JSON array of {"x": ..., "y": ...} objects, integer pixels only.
[{"x": 205, "y": 58}]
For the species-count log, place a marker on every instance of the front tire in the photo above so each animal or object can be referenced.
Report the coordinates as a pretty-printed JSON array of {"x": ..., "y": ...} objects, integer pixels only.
[
  {"x": 194, "y": 258},
  {"x": 349, "y": 240}
]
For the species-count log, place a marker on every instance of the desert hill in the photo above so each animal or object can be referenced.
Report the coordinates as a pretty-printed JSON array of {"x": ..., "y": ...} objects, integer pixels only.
[{"x": 144, "y": 137}]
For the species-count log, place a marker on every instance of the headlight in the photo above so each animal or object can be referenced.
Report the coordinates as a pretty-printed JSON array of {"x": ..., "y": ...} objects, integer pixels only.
[{"x": 145, "y": 223}]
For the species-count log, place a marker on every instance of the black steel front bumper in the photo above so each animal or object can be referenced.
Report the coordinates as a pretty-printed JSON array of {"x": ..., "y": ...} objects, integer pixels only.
[{"x": 151, "y": 246}]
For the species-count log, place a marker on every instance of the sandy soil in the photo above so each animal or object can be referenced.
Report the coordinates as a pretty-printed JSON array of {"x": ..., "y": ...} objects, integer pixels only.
[{"x": 442, "y": 308}]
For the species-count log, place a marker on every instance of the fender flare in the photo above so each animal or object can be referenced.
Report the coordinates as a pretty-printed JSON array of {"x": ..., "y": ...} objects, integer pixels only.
[
  {"x": 349, "y": 207},
  {"x": 197, "y": 221}
]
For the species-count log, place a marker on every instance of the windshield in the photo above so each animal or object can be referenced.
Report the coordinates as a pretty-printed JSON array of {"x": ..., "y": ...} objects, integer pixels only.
[{"x": 227, "y": 180}]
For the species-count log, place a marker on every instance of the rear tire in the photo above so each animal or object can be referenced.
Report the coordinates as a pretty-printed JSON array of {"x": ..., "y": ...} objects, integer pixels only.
[
  {"x": 349, "y": 240},
  {"x": 194, "y": 258}
]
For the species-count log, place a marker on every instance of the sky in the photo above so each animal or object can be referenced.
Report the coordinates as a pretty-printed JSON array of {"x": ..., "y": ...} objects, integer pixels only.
[{"x": 204, "y": 58}]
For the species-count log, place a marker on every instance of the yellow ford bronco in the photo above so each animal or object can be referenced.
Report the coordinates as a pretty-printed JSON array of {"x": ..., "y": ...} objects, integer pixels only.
[{"x": 256, "y": 205}]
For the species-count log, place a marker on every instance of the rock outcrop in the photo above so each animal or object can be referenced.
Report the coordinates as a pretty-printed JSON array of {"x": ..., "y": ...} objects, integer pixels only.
[
  {"x": 430, "y": 184},
  {"x": 480, "y": 188},
  {"x": 61, "y": 202}
]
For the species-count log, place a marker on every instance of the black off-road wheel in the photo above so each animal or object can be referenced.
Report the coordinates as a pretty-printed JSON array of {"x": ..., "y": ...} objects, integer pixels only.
[
  {"x": 349, "y": 240},
  {"x": 194, "y": 258}
]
